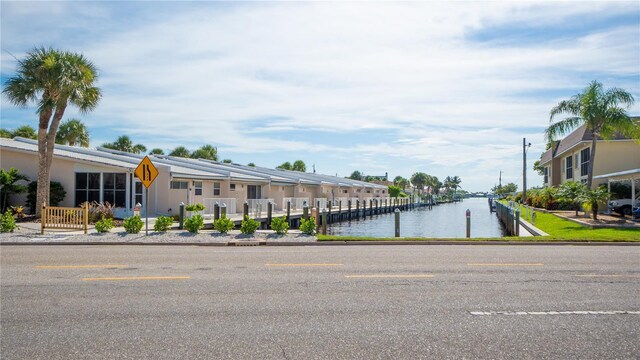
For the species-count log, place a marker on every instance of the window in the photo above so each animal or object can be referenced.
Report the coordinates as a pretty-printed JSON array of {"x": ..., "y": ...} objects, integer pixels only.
[
  {"x": 216, "y": 189},
  {"x": 585, "y": 156},
  {"x": 345, "y": 191},
  {"x": 254, "y": 192},
  {"x": 179, "y": 185},
  {"x": 87, "y": 187},
  {"x": 368, "y": 191},
  {"x": 569, "y": 164},
  {"x": 198, "y": 187},
  {"x": 114, "y": 190},
  {"x": 546, "y": 175},
  {"x": 232, "y": 187}
]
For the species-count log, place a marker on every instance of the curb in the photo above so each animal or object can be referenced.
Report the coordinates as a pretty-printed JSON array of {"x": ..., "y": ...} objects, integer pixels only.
[{"x": 335, "y": 243}]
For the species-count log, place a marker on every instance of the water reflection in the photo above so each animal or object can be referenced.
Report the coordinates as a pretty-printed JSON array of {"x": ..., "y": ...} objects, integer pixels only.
[{"x": 443, "y": 221}]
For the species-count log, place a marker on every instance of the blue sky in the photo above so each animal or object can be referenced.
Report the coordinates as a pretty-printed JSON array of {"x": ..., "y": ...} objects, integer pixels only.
[{"x": 445, "y": 88}]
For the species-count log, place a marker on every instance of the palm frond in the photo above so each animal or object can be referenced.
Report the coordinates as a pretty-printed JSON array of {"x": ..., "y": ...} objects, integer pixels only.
[{"x": 562, "y": 127}]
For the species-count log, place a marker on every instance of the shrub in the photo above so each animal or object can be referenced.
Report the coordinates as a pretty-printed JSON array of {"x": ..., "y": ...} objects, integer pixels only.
[
  {"x": 194, "y": 207},
  {"x": 194, "y": 223},
  {"x": 104, "y": 225},
  {"x": 249, "y": 226},
  {"x": 99, "y": 211},
  {"x": 163, "y": 223},
  {"x": 224, "y": 225},
  {"x": 56, "y": 194},
  {"x": 133, "y": 224},
  {"x": 18, "y": 211},
  {"x": 308, "y": 226},
  {"x": 280, "y": 225},
  {"x": 9, "y": 186},
  {"x": 7, "y": 222}
]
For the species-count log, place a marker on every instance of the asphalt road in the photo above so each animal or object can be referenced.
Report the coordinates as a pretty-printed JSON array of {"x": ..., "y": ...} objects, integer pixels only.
[{"x": 319, "y": 302}]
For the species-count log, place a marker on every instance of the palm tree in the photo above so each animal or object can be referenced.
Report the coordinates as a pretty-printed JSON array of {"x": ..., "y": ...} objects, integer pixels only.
[
  {"x": 594, "y": 197},
  {"x": 4, "y": 133},
  {"x": 284, "y": 166},
  {"x": 227, "y": 161},
  {"x": 8, "y": 186},
  {"x": 251, "y": 164},
  {"x": 206, "y": 152},
  {"x": 572, "y": 192},
  {"x": 601, "y": 112},
  {"x": 356, "y": 175},
  {"x": 25, "y": 131},
  {"x": 71, "y": 132},
  {"x": 124, "y": 143},
  {"x": 156, "y": 151},
  {"x": 52, "y": 79},
  {"x": 180, "y": 151}
]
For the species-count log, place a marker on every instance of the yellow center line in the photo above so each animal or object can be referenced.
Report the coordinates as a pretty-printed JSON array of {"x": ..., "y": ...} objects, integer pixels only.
[
  {"x": 138, "y": 278},
  {"x": 394, "y": 276},
  {"x": 506, "y": 264},
  {"x": 605, "y": 275},
  {"x": 80, "y": 266},
  {"x": 303, "y": 264}
]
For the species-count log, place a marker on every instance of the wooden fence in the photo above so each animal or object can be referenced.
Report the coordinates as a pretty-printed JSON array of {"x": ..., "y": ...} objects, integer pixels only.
[{"x": 65, "y": 218}]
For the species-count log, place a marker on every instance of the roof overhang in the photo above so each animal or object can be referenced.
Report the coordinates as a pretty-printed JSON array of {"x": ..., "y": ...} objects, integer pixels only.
[{"x": 620, "y": 175}]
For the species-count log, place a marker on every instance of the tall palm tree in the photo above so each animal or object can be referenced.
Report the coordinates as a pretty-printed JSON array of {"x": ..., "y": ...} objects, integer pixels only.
[
  {"x": 602, "y": 112},
  {"x": 419, "y": 180},
  {"x": 73, "y": 132},
  {"x": 52, "y": 79}
]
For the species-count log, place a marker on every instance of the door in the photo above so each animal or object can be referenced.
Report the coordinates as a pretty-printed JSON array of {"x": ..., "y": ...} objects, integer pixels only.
[
  {"x": 138, "y": 195},
  {"x": 254, "y": 192}
]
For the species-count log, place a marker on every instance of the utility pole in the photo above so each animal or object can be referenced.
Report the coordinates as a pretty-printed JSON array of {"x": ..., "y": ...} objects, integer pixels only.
[{"x": 524, "y": 171}]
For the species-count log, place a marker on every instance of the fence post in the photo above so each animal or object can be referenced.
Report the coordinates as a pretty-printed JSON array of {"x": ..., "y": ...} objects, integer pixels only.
[
  {"x": 397, "y": 222},
  {"x": 305, "y": 211},
  {"x": 289, "y": 213},
  {"x": 86, "y": 217},
  {"x": 181, "y": 216},
  {"x": 43, "y": 218},
  {"x": 329, "y": 206},
  {"x": 324, "y": 221},
  {"x": 349, "y": 210},
  {"x": 339, "y": 210},
  {"x": 269, "y": 213},
  {"x": 216, "y": 211},
  {"x": 223, "y": 210},
  {"x": 358, "y": 209},
  {"x": 468, "y": 223},
  {"x": 371, "y": 208},
  {"x": 245, "y": 210},
  {"x": 517, "y": 216}
]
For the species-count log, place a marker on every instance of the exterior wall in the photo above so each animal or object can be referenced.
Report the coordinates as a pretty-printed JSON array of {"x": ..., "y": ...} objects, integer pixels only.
[
  {"x": 611, "y": 157},
  {"x": 62, "y": 171}
]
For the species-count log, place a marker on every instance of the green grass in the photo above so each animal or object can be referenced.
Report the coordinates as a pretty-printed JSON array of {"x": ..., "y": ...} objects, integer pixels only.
[{"x": 561, "y": 229}]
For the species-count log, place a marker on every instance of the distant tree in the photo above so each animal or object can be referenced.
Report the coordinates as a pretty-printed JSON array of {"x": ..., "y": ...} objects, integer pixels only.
[
  {"x": 4, "y": 133},
  {"x": 400, "y": 182},
  {"x": 25, "y": 131},
  {"x": 227, "y": 161},
  {"x": 356, "y": 175},
  {"x": 53, "y": 80},
  {"x": 73, "y": 132},
  {"x": 419, "y": 181},
  {"x": 601, "y": 111},
  {"x": 394, "y": 191},
  {"x": 156, "y": 151},
  {"x": 285, "y": 166},
  {"x": 505, "y": 190},
  {"x": 124, "y": 143},
  {"x": 537, "y": 168},
  {"x": 180, "y": 151},
  {"x": 251, "y": 164},
  {"x": 208, "y": 152},
  {"x": 299, "y": 165}
]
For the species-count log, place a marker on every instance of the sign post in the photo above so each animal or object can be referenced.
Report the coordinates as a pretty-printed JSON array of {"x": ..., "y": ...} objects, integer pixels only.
[{"x": 147, "y": 173}]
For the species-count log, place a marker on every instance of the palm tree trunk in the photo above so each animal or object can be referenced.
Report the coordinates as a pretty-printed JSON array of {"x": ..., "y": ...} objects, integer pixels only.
[
  {"x": 42, "y": 189},
  {"x": 591, "y": 161}
]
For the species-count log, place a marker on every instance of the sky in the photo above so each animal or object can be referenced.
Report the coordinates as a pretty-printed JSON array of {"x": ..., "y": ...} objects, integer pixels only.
[{"x": 446, "y": 88}]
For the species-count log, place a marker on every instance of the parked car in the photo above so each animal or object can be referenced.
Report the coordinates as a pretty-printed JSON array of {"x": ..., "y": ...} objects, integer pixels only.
[
  {"x": 636, "y": 212},
  {"x": 622, "y": 206}
]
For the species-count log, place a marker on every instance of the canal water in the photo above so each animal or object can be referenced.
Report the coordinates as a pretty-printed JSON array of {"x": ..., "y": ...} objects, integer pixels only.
[{"x": 442, "y": 221}]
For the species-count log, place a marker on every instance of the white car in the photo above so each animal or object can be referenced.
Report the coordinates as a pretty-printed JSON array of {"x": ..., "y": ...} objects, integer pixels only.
[{"x": 623, "y": 206}]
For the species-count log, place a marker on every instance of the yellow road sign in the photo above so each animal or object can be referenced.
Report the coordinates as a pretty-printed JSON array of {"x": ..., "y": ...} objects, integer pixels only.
[{"x": 146, "y": 172}]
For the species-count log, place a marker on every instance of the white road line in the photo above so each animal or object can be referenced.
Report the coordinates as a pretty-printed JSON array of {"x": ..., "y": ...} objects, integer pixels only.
[{"x": 575, "y": 312}]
